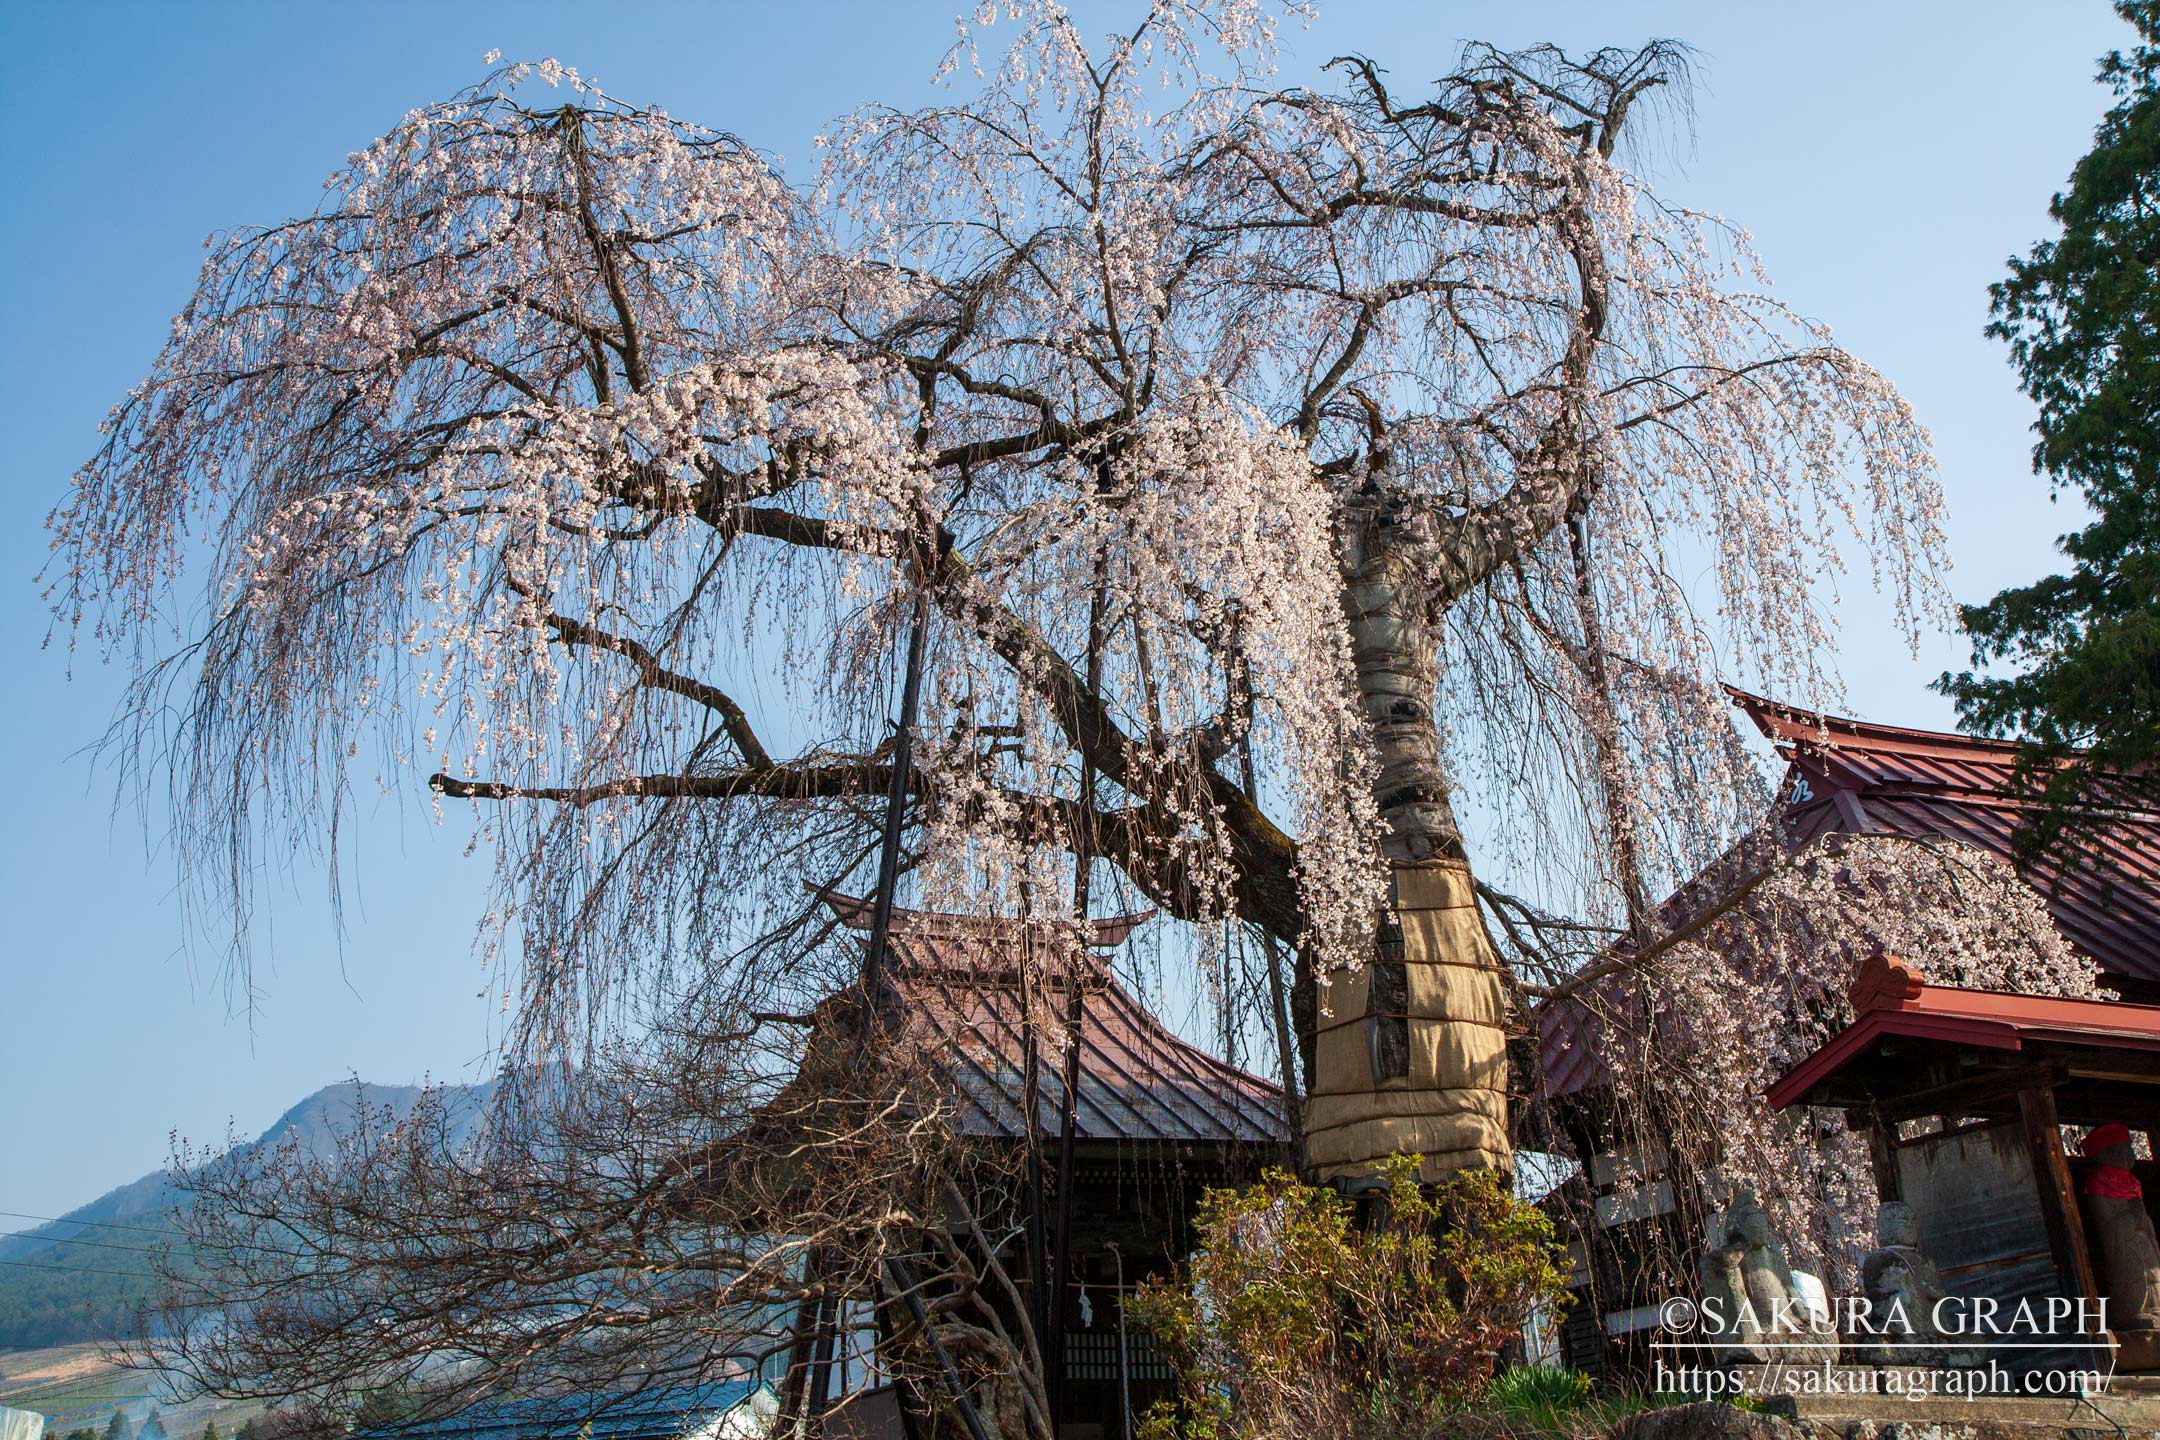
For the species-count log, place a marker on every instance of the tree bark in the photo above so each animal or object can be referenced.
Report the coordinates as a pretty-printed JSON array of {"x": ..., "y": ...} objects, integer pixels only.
[{"x": 1409, "y": 1050}]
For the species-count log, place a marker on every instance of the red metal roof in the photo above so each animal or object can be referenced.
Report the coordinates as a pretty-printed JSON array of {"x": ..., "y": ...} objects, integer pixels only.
[
  {"x": 957, "y": 983},
  {"x": 1856, "y": 777},
  {"x": 1891, "y": 1000},
  {"x": 1568, "y": 1039},
  {"x": 1853, "y": 776}
]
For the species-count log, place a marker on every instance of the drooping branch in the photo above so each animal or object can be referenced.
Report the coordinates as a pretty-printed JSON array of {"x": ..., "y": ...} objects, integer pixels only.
[
  {"x": 1264, "y": 857},
  {"x": 658, "y": 677},
  {"x": 547, "y": 413},
  {"x": 790, "y": 780}
]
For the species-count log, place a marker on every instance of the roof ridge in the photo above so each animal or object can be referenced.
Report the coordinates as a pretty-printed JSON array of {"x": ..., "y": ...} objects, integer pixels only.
[
  {"x": 1780, "y": 721},
  {"x": 1104, "y": 932}
]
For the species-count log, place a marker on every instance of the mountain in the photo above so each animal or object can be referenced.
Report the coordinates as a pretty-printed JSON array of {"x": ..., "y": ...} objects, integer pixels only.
[{"x": 77, "y": 1278}]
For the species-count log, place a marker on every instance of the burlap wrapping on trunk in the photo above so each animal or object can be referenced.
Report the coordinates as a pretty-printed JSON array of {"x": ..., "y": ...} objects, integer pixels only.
[{"x": 1451, "y": 1107}]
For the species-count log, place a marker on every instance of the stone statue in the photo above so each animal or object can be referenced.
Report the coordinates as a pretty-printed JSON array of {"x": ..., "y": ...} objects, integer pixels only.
[
  {"x": 1758, "y": 1311},
  {"x": 1903, "y": 1287},
  {"x": 1726, "y": 1316},
  {"x": 2129, "y": 1258}
]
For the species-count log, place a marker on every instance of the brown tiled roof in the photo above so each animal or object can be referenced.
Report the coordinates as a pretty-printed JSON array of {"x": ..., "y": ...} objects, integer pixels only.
[
  {"x": 956, "y": 981},
  {"x": 1855, "y": 777}
]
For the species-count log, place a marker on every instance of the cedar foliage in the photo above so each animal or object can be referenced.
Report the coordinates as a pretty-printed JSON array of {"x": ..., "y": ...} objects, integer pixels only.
[{"x": 2072, "y": 661}]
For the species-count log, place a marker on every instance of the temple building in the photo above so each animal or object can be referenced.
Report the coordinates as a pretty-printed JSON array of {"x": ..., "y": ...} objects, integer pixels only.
[
  {"x": 1637, "y": 1241},
  {"x": 1154, "y": 1122},
  {"x": 1963, "y": 1095},
  {"x": 983, "y": 1004}
]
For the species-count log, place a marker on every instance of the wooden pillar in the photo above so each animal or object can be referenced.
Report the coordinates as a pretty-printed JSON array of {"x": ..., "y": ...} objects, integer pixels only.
[
  {"x": 2058, "y": 1200},
  {"x": 1882, "y": 1156}
]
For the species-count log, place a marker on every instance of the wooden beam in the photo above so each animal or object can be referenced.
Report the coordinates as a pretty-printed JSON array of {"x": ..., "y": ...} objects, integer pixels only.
[
  {"x": 2058, "y": 1199},
  {"x": 2134, "y": 1063},
  {"x": 1979, "y": 1092},
  {"x": 2083, "y": 1101}
]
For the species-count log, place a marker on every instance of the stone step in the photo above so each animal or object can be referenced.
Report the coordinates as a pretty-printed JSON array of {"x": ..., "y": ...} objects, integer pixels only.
[{"x": 1787, "y": 1418}]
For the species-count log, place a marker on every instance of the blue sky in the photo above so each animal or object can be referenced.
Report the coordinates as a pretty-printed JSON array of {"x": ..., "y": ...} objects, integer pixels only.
[{"x": 1886, "y": 157}]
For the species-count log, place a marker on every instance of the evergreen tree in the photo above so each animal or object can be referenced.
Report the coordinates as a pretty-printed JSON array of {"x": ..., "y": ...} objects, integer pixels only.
[
  {"x": 153, "y": 1428},
  {"x": 118, "y": 1428},
  {"x": 209, "y": 1430},
  {"x": 384, "y": 1407},
  {"x": 2072, "y": 661}
]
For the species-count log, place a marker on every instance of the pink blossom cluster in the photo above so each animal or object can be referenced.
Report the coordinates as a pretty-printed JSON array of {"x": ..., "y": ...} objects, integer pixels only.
[{"x": 568, "y": 454}]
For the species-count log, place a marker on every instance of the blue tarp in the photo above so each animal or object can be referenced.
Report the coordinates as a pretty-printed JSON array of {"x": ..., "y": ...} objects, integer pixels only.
[{"x": 659, "y": 1414}]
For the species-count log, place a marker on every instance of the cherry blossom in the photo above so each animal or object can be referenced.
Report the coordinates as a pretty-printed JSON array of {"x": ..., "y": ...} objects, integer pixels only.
[{"x": 568, "y": 456}]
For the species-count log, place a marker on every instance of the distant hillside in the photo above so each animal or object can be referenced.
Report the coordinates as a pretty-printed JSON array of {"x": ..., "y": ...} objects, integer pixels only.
[{"x": 80, "y": 1278}]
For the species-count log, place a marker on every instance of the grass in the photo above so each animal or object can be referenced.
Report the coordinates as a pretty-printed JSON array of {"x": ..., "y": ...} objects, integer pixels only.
[
  {"x": 1540, "y": 1394},
  {"x": 1555, "y": 1401}
]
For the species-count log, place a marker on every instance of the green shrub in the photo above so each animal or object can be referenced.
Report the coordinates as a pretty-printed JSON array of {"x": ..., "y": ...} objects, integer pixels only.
[
  {"x": 1539, "y": 1393},
  {"x": 1292, "y": 1320}
]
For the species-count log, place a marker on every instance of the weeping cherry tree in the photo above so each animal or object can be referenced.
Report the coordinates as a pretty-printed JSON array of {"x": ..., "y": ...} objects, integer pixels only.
[{"x": 1290, "y": 483}]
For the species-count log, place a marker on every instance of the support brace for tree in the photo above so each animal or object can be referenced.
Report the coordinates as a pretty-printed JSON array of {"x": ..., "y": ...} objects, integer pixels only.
[
  {"x": 888, "y": 880},
  {"x": 962, "y": 1401}
]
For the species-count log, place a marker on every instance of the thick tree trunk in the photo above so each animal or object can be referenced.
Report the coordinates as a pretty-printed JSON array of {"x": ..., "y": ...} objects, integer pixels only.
[{"x": 1409, "y": 1052}]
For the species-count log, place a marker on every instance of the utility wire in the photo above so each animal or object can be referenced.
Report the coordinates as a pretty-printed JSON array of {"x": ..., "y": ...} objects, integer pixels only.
[
  {"x": 74, "y": 1269},
  {"x": 69, "y": 1240},
  {"x": 100, "y": 1224}
]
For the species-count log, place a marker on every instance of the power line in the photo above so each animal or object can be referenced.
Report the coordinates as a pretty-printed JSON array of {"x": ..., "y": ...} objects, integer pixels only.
[
  {"x": 70, "y": 1240},
  {"x": 75, "y": 1269},
  {"x": 162, "y": 1304},
  {"x": 101, "y": 1224}
]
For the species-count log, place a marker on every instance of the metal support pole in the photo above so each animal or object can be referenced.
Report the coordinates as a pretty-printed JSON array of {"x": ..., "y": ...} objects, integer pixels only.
[
  {"x": 1053, "y": 1337},
  {"x": 896, "y": 797},
  {"x": 897, "y": 1275},
  {"x": 1038, "y": 1250}
]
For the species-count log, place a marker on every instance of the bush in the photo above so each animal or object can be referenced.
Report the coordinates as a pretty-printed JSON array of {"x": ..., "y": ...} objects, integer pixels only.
[{"x": 1295, "y": 1322}]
